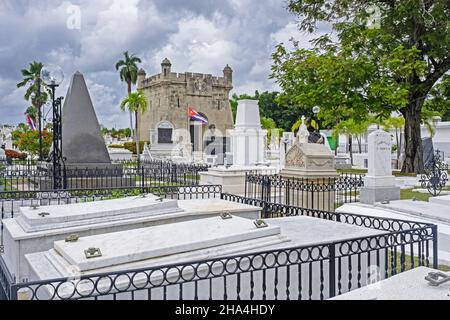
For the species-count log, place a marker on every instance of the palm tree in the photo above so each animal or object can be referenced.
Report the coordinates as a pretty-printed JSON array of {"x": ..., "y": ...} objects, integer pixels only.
[
  {"x": 32, "y": 78},
  {"x": 135, "y": 102},
  {"x": 128, "y": 71}
]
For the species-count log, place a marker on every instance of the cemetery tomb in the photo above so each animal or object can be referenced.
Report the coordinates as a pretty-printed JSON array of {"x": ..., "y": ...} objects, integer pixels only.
[
  {"x": 195, "y": 241},
  {"x": 36, "y": 228}
]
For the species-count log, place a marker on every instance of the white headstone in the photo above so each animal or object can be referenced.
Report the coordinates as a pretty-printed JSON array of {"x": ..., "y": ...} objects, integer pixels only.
[{"x": 379, "y": 183}]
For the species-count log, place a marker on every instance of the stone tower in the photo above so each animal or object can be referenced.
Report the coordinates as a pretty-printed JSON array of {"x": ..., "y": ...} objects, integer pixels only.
[{"x": 170, "y": 94}]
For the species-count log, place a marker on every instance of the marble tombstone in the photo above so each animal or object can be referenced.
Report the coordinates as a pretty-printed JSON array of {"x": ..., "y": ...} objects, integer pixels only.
[{"x": 379, "y": 183}]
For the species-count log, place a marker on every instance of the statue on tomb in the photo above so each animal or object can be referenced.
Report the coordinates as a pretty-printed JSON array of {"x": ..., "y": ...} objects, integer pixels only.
[
  {"x": 314, "y": 136},
  {"x": 303, "y": 133}
]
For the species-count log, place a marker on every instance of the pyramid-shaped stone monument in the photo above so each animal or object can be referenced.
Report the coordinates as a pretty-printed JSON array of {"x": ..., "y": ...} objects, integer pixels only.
[{"x": 82, "y": 142}]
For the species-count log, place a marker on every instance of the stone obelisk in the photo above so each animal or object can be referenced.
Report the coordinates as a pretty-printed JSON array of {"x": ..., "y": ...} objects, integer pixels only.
[{"x": 82, "y": 142}]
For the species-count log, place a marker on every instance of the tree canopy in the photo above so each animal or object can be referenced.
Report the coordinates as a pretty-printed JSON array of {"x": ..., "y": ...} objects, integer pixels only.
[{"x": 365, "y": 69}]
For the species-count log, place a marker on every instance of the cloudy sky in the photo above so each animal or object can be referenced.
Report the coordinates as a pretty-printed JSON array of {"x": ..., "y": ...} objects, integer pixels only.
[{"x": 196, "y": 35}]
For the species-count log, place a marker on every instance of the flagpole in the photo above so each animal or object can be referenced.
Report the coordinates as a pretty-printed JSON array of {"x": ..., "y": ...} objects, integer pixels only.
[{"x": 189, "y": 131}]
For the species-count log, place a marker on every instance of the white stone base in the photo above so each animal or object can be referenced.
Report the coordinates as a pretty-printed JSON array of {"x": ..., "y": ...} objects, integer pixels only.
[
  {"x": 379, "y": 181},
  {"x": 370, "y": 195},
  {"x": 232, "y": 179}
]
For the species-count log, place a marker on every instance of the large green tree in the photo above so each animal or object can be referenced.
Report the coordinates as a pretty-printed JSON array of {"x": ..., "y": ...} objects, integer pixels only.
[
  {"x": 135, "y": 102},
  {"x": 390, "y": 65},
  {"x": 128, "y": 71}
]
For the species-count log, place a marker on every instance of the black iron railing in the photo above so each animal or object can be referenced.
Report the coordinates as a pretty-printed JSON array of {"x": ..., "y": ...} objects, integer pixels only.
[
  {"x": 33, "y": 176},
  {"x": 318, "y": 193},
  {"x": 302, "y": 272}
]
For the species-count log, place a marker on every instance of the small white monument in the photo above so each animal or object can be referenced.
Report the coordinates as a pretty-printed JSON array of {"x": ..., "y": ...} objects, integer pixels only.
[
  {"x": 312, "y": 163},
  {"x": 379, "y": 183},
  {"x": 285, "y": 144},
  {"x": 248, "y": 145},
  {"x": 247, "y": 138}
]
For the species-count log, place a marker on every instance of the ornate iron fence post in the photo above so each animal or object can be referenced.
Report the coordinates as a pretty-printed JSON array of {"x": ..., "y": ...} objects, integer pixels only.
[
  {"x": 435, "y": 178},
  {"x": 332, "y": 269},
  {"x": 435, "y": 246}
]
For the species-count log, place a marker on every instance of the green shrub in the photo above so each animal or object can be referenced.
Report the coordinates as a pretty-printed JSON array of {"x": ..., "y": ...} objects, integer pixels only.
[
  {"x": 117, "y": 146},
  {"x": 131, "y": 146}
]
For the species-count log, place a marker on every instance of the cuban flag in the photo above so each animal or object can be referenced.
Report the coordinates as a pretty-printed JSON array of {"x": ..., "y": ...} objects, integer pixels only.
[
  {"x": 194, "y": 115},
  {"x": 30, "y": 122}
]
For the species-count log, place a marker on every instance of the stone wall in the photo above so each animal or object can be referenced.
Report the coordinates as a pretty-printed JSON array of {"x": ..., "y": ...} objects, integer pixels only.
[{"x": 169, "y": 95}]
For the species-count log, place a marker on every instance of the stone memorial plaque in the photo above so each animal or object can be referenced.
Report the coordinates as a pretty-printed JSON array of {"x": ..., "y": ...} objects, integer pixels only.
[
  {"x": 146, "y": 243},
  {"x": 165, "y": 135}
]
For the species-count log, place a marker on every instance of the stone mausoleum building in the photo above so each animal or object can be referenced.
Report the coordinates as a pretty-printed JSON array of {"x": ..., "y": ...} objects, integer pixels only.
[{"x": 170, "y": 94}]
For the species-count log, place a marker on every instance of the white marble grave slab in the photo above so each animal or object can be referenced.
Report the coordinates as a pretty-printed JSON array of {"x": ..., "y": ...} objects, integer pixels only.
[
  {"x": 294, "y": 231},
  {"x": 443, "y": 200},
  {"x": 105, "y": 217},
  {"x": 409, "y": 285},
  {"x": 77, "y": 214},
  {"x": 146, "y": 243}
]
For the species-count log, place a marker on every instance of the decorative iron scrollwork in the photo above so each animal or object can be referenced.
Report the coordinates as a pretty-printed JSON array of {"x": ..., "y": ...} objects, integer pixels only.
[{"x": 435, "y": 178}]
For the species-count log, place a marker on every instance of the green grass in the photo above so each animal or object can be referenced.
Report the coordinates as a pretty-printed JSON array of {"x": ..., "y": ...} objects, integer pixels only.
[
  {"x": 441, "y": 267},
  {"x": 352, "y": 171},
  {"x": 406, "y": 194},
  {"x": 364, "y": 171}
]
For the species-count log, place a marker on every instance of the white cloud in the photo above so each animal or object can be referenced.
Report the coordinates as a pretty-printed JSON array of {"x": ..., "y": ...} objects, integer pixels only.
[{"x": 197, "y": 36}]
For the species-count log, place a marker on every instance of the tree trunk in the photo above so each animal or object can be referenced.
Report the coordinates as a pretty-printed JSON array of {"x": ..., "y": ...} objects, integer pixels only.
[
  {"x": 413, "y": 142},
  {"x": 358, "y": 138},
  {"x": 131, "y": 113},
  {"x": 350, "y": 144},
  {"x": 137, "y": 139}
]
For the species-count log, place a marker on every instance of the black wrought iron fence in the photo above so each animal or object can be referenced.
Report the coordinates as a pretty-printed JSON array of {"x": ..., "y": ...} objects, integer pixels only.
[
  {"x": 32, "y": 176},
  {"x": 318, "y": 193},
  {"x": 303, "y": 272}
]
